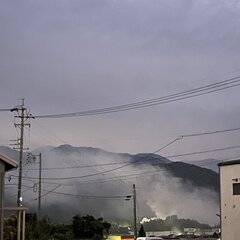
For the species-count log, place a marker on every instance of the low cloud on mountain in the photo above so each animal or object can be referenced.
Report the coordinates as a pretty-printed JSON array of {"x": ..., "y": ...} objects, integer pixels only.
[{"x": 87, "y": 180}]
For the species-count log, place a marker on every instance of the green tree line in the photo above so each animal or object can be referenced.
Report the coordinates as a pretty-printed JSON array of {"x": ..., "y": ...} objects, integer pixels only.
[{"x": 81, "y": 227}]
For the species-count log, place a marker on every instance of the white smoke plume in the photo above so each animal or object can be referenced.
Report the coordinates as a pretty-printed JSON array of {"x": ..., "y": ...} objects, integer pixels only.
[{"x": 159, "y": 194}]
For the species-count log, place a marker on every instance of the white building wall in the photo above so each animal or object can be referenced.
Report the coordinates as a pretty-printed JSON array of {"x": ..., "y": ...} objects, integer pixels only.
[{"x": 229, "y": 203}]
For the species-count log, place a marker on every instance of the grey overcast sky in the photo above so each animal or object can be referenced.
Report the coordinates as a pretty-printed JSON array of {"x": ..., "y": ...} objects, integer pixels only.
[{"x": 75, "y": 55}]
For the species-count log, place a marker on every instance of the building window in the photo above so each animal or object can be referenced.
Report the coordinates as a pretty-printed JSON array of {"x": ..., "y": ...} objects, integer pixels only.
[{"x": 236, "y": 188}]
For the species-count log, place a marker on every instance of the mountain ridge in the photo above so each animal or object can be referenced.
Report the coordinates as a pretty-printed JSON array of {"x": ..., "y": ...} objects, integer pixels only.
[
  {"x": 81, "y": 175},
  {"x": 188, "y": 172}
]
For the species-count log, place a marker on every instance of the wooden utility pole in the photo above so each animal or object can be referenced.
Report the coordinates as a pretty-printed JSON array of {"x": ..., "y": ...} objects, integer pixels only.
[
  {"x": 39, "y": 186},
  {"x": 134, "y": 211},
  {"x": 22, "y": 114},
  {"x": 134, "y": 198},
  {"x": 19, "y": 195}
]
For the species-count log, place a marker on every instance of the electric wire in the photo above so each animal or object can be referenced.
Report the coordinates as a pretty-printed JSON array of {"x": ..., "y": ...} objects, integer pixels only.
[
  {"x": 214, "y": 87},
  {"x": 119, "y": 163},
  {"x": 170, "y": 156},
  {"x": 129, "y": 176},
  {"x": 5, "y": 110},
  {"x": 43, "y": 195},
  {"x": 107, "y": 171},
  {"x": 124, "y": 177},
  {"x": 144, "y": 174},
  {"x": 78, "y": 195},
  {"x": 81, "y": 166},
  {"x": 92, "y": 197},
  {"x": 110, "y": 170},
  {"x": 201, "y": 152},
  {"x": 211, "y": 132}
]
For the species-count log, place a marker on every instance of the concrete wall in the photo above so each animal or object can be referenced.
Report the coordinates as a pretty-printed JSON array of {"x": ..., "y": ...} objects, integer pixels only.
[{"x": 230, "y": 202}]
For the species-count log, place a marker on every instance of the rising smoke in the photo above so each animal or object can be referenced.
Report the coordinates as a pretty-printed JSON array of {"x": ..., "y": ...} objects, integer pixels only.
[{"x": 159, "y": 194}]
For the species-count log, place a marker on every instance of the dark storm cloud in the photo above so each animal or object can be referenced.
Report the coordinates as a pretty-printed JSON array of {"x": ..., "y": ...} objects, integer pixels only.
[
  {"x": 69, "y": 56},
  {"x": 72, "y": 56}
]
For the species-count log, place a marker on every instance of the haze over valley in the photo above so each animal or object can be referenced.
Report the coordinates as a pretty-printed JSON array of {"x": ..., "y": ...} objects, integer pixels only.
[{"x": 92, "y": 181}]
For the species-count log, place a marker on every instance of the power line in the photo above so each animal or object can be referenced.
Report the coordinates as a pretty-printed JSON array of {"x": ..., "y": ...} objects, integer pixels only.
[
  {"x": 124, "y": 177},
  {"x": 119, "y": 163},
  {"x": 170, "y": 156},
  {"x": 110, "y": 170},
  {"x": 80, "y": 195},
  {"x": 82, "y": 166},
  {"x": 130, "y": 176},
  {"x": 201, "y": 152},
  {"x": 117, "y": 178},
  {"x": 5, "y": 110},
  {"x": 140, "y": 159},
  {"x": 211, "y": 132},
  {"x": 107, "y": 171},
  {"x": 138, "y": 175},
  {"x": 49, "y": 191},
  {"x": 92, "y": 197},
  {"x": 214, "y": 87}
]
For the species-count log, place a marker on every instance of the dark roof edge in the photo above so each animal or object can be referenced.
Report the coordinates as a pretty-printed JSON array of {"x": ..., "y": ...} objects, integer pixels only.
[
  {"x": 233, "y": 162},
  {"x": 9, "y": 163}
]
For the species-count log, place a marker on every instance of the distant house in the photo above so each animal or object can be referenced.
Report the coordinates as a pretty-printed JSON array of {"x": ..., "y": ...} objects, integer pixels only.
[
  {"x": 210, "y": 232},
  {"x": 230, "y": 199},
  {"x": 174, "y": 232},
  {"x": 159, "y": 233},
  {"x": 6, "y": 164},
  {"x": 192, "y": 231}
]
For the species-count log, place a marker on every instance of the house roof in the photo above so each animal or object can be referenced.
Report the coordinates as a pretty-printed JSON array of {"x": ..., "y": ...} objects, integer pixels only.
[
  {"x": 227, "y": 163},
  {"x": 9, "y": 163}
]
